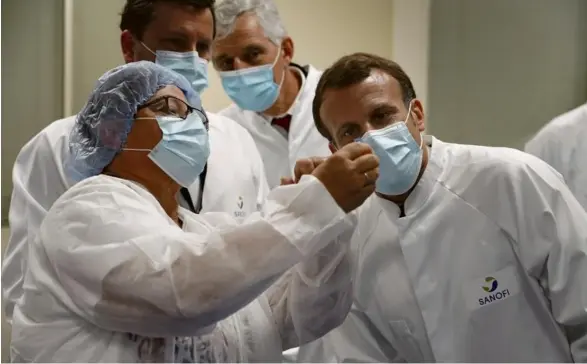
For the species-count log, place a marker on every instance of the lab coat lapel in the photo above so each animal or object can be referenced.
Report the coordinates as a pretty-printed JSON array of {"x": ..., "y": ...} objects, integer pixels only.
[{"x": 304, "y": 139}]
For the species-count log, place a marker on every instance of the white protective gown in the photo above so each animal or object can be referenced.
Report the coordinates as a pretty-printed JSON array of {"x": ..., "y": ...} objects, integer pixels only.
[
  {"x": 279, "y": 150},
  {"x": 562, "y": 144},
  {"x": 235, "y": 184},
  {"x": 112, "y": 278},
  {"x": 488, "y": 265}
]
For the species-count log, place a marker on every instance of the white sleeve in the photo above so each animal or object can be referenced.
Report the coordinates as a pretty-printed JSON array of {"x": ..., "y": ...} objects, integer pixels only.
[
  {"x": 315, "y": 296},
  {"x": 37, "y": 183},
  {"x": 248, "y": 336},
  {"x": 552, "y": 237},
  {"x": 305, "y": 303},
  {"x": 124, "y": 267},
  {"x": 357, "y": 340}
]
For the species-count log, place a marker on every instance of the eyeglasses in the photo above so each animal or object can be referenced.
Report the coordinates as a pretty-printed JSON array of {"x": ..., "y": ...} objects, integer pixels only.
[{"x": 173, "y": 106}]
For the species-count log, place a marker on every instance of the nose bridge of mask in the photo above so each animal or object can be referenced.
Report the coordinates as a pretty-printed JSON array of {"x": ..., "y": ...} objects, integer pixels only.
[{"x": 161, "y": 54}]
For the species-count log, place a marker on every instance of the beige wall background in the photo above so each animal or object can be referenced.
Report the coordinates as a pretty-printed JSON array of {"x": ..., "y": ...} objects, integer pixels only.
[
  {"x": 32, "y": 76},
  {"x": 500, "y": 69}
]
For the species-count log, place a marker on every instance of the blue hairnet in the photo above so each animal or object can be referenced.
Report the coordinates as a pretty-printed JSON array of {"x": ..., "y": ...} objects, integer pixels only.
[{"x": 102, "y": 126}]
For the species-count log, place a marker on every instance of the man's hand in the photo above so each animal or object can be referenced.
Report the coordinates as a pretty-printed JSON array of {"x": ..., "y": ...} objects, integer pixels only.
[
  {"x": 303, "y": 166},
  {"x": 349, "y": 174}
]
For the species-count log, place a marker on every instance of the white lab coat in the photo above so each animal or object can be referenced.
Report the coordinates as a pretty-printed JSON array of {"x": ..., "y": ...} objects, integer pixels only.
[
  {"x": 562, "y": 144},
  {"x": 477, "y": 212},
  {"x": 110, "y": 273},
  {"x": 279, "y": 152},
  {"x": 235, "y": 184}
]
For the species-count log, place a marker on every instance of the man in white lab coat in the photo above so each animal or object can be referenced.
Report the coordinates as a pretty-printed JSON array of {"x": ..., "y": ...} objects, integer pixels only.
[
  {"x": 272, "y": 95},
  {"x": 561, "y": 143},
  {"x": 466, "y": 253},
  {"x": 176, "y": 34}
]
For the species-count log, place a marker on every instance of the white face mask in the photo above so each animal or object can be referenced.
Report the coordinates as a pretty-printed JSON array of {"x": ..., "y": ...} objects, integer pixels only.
[
  {"x": 183, "y": 150},
  {"x": 188, "y": 64},
  {"x": 253, "y": 88},
  {"x": 400, "y": 157}
]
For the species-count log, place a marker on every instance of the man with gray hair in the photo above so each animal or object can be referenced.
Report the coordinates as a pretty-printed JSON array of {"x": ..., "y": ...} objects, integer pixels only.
[{"x": 272, "y": 95}]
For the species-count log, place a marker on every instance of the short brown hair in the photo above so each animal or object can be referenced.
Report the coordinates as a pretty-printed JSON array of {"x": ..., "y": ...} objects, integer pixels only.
[
  {"x": 351, "y": 70},
  {"x": 138, "y": 14}
]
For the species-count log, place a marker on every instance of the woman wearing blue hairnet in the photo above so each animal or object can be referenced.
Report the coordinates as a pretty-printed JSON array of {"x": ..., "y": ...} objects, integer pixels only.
[{"x": 120, "y": 273}]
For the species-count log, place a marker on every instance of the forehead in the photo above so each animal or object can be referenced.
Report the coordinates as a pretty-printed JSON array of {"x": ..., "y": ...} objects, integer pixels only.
[
  {"x": 170, "y": 90},
  {"x": 246, "y": 30},
  {"x": 354, "y": 102},
  {"x": 181, "y": 19}
]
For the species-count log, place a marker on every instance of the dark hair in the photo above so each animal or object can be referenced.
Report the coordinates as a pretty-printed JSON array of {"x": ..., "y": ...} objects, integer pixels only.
[
  {"x": 138, "y": 14},
  {"x": 351, "y": 70}
]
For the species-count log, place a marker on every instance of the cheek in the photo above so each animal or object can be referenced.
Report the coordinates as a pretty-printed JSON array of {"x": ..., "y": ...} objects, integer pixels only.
[
  {"x": 415, "y": 132},
  {"x": 279, "y": 71},
  {"x": 144, "y": 134},
  {"x": 155, "y": 134},
  {"x": 141, "y": 54}
]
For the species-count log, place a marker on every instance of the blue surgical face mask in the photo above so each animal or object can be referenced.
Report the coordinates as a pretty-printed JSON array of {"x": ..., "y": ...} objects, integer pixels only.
[
  {"x": 400, "y": 157},
  {"x": 252, "y": 88},
  {"x": 184, "y": 148},
  {"x": 187, "y": 64}
]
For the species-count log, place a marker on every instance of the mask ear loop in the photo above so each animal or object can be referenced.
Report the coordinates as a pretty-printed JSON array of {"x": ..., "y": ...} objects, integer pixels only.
[
  {"x": 408, "y": 118},
  {"x": 147, "y": 48},
  {"x": 273, "y": 67}
]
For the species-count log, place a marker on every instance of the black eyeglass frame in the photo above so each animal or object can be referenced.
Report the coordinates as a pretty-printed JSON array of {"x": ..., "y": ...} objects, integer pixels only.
[{"x": 189, "y": 109}]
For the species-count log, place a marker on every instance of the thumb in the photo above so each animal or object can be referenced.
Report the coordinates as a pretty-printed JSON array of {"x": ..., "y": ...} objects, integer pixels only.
[
  {"x": 286, "y": 181},
  {"x": 303, "y": 166}
]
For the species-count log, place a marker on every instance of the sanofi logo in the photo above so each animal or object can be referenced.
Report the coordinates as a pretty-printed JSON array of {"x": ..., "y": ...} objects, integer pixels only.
[
  {"x": 240, "y": 203},
  {"x": 491, "y": 287},
  {"x": 492, "y": 284}
]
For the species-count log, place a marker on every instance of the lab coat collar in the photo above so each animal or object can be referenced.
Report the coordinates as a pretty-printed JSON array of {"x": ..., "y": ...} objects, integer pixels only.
[{"x": 424, "y": 188}]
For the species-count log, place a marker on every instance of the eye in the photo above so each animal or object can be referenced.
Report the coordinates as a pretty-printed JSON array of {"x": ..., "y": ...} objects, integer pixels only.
[
  {"x": 227, "y": 64},
  {"x": 159, "y": 106},
  {"x": 380, "y": 116},
  {"x": 203, "y": 48},
  {"x": 252, "y": 56},
  {"x": 223, "y": 64},
  {"x": 350, "y": 133}
]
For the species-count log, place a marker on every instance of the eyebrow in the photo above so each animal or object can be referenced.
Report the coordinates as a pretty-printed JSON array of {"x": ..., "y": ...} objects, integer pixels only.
[
  {"x": 254, "y": 46},
  {"x": 175, "y": 34},
  {"x": 383, "y": 108},
  {"x": 183, "y": 34},
  {"x": 247, "y": 48},
  {"x": 154, "y": 101}
]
